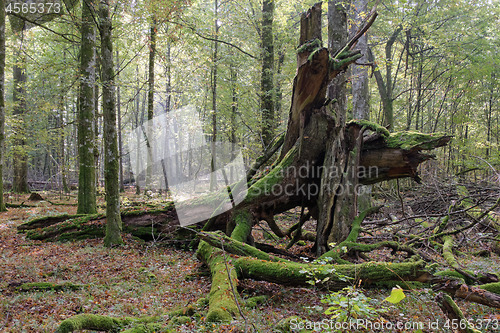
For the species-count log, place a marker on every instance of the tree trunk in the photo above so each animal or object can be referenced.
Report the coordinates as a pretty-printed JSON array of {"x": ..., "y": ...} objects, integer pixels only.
[
  {"x": 151, "y": 99},
  {"x": 337, "y": 203},
  {"x": 359, "y": 84},
  {"x": 20, "y": 156},
  {"x": 119, "y": 116},
  {"x": 234, "y": 111},
  {"x": 2, "y": 99},
  {"x": 213, "y": 162},
  {"x": 385, "y": 88},
  {"x": 87, "y": 202},
  {"x": 359, "y": 73},
  {"x": 267, "y": 75},
  {"x": 111, "y": 165}
]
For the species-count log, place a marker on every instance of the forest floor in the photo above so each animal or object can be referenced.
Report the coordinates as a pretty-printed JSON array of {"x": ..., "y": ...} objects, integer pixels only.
[{"x": 149, "y": 279}]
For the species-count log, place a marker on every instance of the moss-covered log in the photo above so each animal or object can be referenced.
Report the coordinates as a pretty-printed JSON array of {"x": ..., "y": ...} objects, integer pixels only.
[
  {"x": 299, "y": 274},
  {"x": 92, "y": 322},
  {"x": 223, "y": 297},
  {"x": 493, "y": 287},
  {"x": 111, "y": 324},
  {"x": 145, "y": 224},
  {"x": 453, "y": 312}
]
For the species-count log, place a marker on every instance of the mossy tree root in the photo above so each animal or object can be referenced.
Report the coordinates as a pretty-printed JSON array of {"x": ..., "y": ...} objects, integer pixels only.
[
  {"x": 219, "y": 240},
  {"x": 244, "y": 222},
  {"x": 331, "y": 276},
  {"x": 223, "y": 297},
  {"x": 341, "y": 248},
  {"x": 453, "y": 312}
]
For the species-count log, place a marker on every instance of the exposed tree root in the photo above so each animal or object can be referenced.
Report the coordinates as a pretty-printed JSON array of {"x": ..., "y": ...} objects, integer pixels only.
[
  {"x": 453, "y": 312},
  {"x": 233, "y": 246},
  {"x": 338, "y": 250},
  {"x": 222, "y": 304}
]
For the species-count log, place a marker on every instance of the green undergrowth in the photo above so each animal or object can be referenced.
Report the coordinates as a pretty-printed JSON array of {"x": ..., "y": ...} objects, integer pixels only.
[{"x": 43, "y": 286}]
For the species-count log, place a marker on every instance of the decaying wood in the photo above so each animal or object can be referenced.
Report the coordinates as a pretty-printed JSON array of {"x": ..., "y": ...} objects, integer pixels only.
[
  {"x": 470, "y": 293},
  {"x": 453, "y": 312}
]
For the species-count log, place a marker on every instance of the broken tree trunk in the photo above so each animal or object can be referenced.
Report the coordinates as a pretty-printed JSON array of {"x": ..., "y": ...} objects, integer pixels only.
[{"x": 307, "y": 172}]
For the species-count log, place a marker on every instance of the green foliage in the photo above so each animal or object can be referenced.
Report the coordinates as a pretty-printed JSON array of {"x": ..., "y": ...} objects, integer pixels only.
[
  {"x": 350, "y": 303},
  {"x": 319, "y": 275},
  {"x": 396, "y": 296}
]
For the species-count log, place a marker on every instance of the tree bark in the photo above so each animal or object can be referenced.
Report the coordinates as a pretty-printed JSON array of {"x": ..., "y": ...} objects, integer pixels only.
[
  {"x": 267, "y": 75},
  {"x": 151, "y": 100},
  {"x": 359, "y": 84},
  {"x": 111, "y": 163},
  {"x": 87, "y": 201},
  {"x": 119, "y": 128},
  {"x": 336, "y": 207},
  {"x": 359, "y": 73},
  {"x": 385, "y": 88},
  {"x": 20, "y": 156}
]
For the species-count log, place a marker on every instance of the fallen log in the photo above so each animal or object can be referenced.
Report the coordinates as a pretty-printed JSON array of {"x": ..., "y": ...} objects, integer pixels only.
[
  {"x": 453, "y": 312},
  {"x": 469, "y": 293},
  {"x": 222, "y": 303},
  {"x": 334, "y": 277}
]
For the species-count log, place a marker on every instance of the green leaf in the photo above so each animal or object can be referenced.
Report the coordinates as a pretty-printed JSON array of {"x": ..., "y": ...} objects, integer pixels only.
[{"x": 397, "y": 295}]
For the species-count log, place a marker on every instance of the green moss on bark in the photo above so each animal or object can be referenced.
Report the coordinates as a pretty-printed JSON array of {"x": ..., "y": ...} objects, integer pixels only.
[
  {"x": 371, "y": 126},
  {"x": 491, "y": 287},
  {"x": 264, "y": 185},
  {"x": 448, "y": 252},
  {"x": 235, "y": 247},
  {"x": 408, "y": 140},
  {"x": 292, "y": 273},
  {"x": 244, "y": 223},
  {"x": 253, "y": 302},
  {"x": 46, "y": 221},
  {"x": 222, "y": 304}
]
